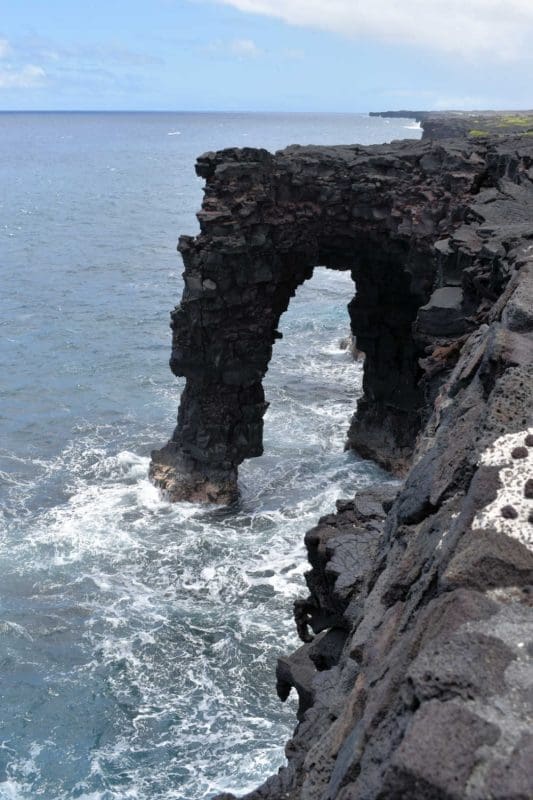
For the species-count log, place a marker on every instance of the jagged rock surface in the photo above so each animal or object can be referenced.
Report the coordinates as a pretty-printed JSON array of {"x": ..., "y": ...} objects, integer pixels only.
[
  {"x": 418, "y": 684},
  {"x": 420, "y": 227},
  {"x": 414, "y": 677}
]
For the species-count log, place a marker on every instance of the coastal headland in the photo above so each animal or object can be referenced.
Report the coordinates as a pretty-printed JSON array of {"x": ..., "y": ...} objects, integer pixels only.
[{"x": 414, "y": 675}]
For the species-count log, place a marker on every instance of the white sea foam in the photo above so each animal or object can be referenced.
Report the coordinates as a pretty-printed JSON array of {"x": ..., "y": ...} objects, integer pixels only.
[
  {"x": 13, "y": 790},
  {"x": 155, "y": 628},
  {"x": 178, "y": 611}
]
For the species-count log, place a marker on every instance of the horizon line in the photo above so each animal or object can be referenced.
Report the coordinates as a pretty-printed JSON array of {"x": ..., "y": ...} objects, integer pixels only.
[
  {"x": 259, "y": 111},
  {"x": 188, "y": 111}
]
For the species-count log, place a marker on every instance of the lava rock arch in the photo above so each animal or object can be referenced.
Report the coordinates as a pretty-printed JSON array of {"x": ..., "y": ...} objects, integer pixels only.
[{"x": 266, "y": 221}]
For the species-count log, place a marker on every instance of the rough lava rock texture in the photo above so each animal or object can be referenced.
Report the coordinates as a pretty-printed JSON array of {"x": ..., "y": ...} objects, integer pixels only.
[
  {"x": 429, "y": 232},
  {"x": 414, "y": 676}
]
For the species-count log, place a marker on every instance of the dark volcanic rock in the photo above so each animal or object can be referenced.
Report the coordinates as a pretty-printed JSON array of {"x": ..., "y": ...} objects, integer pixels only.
[
  {"x": 458, "y": 124},
  {"x": 438, "y": 754},
  {"x": 415, "y": 676},
  {"x": 443, "y": 315},
  {"x": 430, "y": 254}
]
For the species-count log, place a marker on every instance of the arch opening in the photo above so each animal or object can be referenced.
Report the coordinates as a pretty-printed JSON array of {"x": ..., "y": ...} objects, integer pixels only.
[
  {"x": 220, "y": 419},
  {"x": 313, "y": 378}
]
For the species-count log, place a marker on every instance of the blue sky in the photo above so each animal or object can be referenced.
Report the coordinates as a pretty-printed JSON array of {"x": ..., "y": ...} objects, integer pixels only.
[{"x": 266, "y": 55}]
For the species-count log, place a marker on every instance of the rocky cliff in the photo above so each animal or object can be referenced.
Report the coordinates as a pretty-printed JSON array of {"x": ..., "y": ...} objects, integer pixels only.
[
  {"x": 414, "y": 676},
  {"x": 460, "y": 124}
]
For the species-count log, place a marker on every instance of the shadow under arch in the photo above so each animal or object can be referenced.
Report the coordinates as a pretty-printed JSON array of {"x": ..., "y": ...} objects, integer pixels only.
[{"x": 266, "y": 222}]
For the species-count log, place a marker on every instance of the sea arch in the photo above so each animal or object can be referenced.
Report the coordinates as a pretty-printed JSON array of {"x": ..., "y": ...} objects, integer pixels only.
[{"x": 266, "y": 222}]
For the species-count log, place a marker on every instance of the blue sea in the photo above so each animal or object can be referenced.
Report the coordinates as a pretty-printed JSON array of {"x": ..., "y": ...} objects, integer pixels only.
[{"x": 138, "y": 639}]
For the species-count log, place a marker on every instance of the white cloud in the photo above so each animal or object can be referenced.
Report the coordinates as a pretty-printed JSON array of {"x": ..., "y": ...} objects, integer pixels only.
[
  {"x": 245, "y": 48},
  {"x": 248, "y": 49},
  {"x": 18, "y": 77},
  {"x": 5, "y": 48},
  {"x": 501, "y": 29},
  {"x": 28, "y": 77},
  {"x": 237, "y": 48},
  {"x": 50, "y": 55}
]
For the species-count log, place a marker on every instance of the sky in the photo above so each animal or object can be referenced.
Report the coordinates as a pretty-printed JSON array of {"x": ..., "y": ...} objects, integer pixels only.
[{"x": 265, "y": 55}]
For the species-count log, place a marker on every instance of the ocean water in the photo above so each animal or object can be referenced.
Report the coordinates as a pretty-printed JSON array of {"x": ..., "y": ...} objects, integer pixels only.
[{"x": 138, "y": 639}]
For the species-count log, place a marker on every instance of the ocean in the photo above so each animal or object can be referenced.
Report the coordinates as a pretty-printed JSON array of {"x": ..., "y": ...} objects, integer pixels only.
[{"x": 138, "y": 639}]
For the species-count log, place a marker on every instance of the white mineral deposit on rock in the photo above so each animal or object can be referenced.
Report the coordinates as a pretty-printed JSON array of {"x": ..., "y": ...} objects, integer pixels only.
[{"x": 510, "y": 511}]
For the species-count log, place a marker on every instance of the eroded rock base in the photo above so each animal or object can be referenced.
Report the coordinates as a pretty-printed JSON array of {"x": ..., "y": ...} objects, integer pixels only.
[{"x": 181, "y": 480}]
